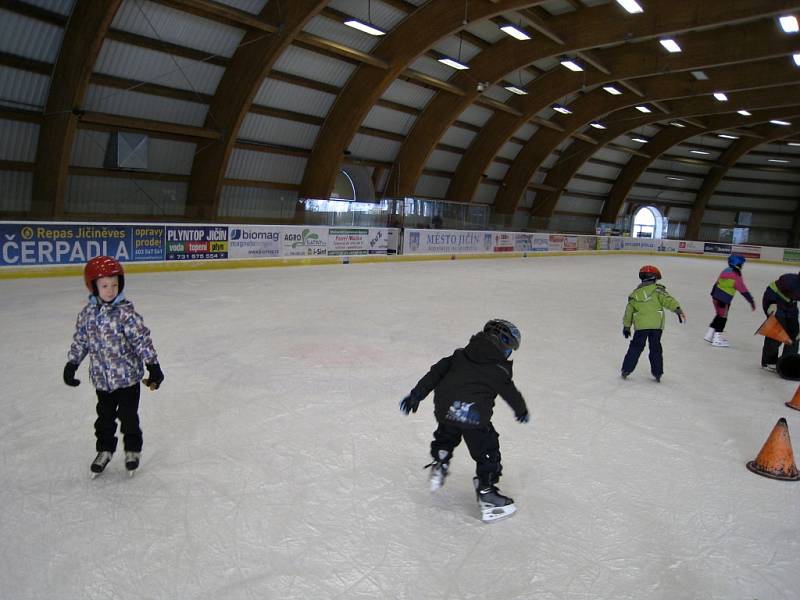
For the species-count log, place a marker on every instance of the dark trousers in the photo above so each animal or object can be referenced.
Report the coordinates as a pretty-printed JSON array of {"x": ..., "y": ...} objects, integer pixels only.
[
  {"x": 771, "y": 349},
  {"x": 721, "y": 318},
  {"x": 640, "y": 338},
  {"x": 122, "y": 404},
  {"x": 483, "y": 444}
]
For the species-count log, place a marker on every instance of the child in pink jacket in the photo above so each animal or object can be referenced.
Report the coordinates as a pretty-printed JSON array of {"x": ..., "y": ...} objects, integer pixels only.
[{"x": 728, "y": 283}]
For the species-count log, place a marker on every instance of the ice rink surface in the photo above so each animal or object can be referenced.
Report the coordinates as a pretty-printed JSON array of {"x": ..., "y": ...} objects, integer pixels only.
[{"x": 277, "y": 464}]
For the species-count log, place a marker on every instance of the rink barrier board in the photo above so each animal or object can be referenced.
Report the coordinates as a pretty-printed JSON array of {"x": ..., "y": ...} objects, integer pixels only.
[{"x": 205, "y": 265}]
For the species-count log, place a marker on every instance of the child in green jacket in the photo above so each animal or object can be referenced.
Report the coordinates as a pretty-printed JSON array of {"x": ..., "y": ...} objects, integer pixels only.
[{"x": 645, "y": 312}]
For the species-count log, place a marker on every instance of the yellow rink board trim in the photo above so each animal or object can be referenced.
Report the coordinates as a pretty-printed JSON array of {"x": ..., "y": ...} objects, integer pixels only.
[{"x": 179, "y": 265}]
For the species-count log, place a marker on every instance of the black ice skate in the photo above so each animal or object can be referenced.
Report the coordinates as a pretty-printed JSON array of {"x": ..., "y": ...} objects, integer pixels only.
[
  {"x": 132, "y": 461},
  {"x": 439, "y": 468},
  {"x": 494, "y": 506},
  {"x": 99, "y": 464}
]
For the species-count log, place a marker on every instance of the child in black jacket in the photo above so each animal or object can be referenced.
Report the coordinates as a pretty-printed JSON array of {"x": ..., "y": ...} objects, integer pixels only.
[{"x": 465, "y": 386}]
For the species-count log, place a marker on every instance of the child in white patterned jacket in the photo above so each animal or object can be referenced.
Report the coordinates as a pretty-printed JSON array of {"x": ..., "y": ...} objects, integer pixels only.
[{"x": 114, "y": 336}]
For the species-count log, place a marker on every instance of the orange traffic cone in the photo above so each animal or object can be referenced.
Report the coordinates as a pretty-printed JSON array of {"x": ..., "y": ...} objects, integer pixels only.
[
  {"x": 776, "y": 459},
  {"x": 772, "y": 328},
  {"x": 795, "y": 401}
]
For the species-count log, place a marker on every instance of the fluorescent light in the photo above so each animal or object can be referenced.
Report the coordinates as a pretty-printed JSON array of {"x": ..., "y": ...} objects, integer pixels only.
[
  {"x": 643, "y": 109},
  {"x": 597, "y": 125},
  {"x": 703, "y": 152},
  {"x": 796, "y": 58},
  {"x": 631, "y": 6},
  {"x": 779, "y": 122},
  {"x": 638, "y": 139},
  {"x": 671, "y": 178},
  {"x": 745, "y": 113},
  {"x": 671, "y": 45},
  {"x": 720, "y": 96},
  {"x": 453, "y": 63},
  {"x": 778, "y": 160},
  {"x": 789, "y": 24},
  {"x": 562, "y": 109},
  {"x": 515, "y": 32},
  {"x": 677, "y": 124},
  {"x": 571, "y": 65},
  {"x": 612, "y": 90},
  {"x": 364, "y": 27},
  {"x": 726, "y": 136},
  {"x": 515, "y": 90},
  {"x": 793, "y": 144},
  {"x": 700, "y": 75}
]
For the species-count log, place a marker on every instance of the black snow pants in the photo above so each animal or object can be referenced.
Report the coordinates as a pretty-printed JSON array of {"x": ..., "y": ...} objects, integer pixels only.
[
  {"x": 483, "y": 444},
  {"x": 772, "y": 348},
  {"x": 122, "y": 404}
]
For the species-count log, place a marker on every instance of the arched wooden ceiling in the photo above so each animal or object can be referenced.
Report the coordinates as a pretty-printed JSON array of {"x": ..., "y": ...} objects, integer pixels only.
[{"x": 738, "y": 43}]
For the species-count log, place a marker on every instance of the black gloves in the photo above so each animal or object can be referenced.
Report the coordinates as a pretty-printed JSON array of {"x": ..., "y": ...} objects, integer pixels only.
[
  {"x": 69, "y": 374},
  {"x": 409, "y": 404},
  {"x": 523, "y": 417},
  {"x": 681, "y": 316},
  {"x": 626, "y": 332},
  {"x": 154, "y": 376}
]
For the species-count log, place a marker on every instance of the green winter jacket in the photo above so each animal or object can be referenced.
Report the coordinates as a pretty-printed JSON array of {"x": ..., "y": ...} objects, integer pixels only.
[{"x": 646, "y": 306}]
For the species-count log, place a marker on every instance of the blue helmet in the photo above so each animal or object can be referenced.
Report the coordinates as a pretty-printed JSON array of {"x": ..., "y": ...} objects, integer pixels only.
[
  {"x": 505, "y": 334},
  {"x": 736, "y": 260}
]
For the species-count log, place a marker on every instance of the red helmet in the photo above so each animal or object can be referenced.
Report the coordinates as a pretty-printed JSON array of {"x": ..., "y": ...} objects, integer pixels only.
[
  {"x": 648, "y": 272},
  {"x": 102, "y": 266}
]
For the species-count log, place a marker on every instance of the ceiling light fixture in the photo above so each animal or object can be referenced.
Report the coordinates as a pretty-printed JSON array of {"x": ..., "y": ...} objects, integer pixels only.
[
  {"x": 514, "y": 32},
  {"x": 597, "y": 125},
  {"x": 671, "y": 178},
  {"x": 515, "y": 90},
  {"x": 631, "y": 6},
  {"x": 745, "y": 113},
  {"x": 671, "y": 45},
  {"x": 677, "y": 124},
  {"x": 571, "y": 65},
  {"x": 720, "y": 96},
  {"x": 793, "y": 144},
  {"x": 726, "y": 136},
  {"x": 643, "y": 109},
  {"x": 356, "y": 24},
  {"x": 778, "y": 160},
  {"x": 703, "y": 152},
  {"x": 789, "y": 24},
  {"x": 699, "y": 75},
  {"x": 454, "y": 64},
  {"x": 640, "y": 139},
  {"x": 562, "y": 109},
  {"x": 612, "y": 90},
  {"x": 796, "y": 58},
  {"x": 779, "y": 122}
]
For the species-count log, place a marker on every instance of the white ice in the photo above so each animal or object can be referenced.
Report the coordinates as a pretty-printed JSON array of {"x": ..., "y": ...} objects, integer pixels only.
[{"x": 277, "y": 463}]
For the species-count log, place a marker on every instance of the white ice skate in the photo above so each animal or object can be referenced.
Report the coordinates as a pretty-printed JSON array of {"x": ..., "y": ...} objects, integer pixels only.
[
  {"x": 719, "y": 341},
  {"x": 132, "y": 462},
  {"x": 438, "y": 470},
  {"x": 100, "y": 462},
  {"x": 493, "y": 505},
  {"x": 709, "y": 336}
]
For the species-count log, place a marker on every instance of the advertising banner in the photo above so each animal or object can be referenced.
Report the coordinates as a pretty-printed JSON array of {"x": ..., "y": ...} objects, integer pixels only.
[
  {"x": 587, "y": 242},
  {"x": 148, "y": 242},
  {"x": 791, "y": 255},
  {"x": 254, "y": 241},
  {"x": 185, "y": 242},
  {"x": 304, "y": 241},
  {"x": 63, "y": 244},
  {"x": 503, "y": 241},
  {"x": 441, "y": 241},
  {"x": 691, "y": 247},
  {"x": 379, "y": 240},
  {"x": 570, "y": 243},
  {"x": 715, "y": 248},
  {"x": 747, "y": 251},
  {"x": 556, "y": 243}
]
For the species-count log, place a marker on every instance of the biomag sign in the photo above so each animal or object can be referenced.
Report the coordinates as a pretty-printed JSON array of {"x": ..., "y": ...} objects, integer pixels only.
[
  {"x": 60, "y": 244},
  {"x": 196, "y": 243},
  {"x": 254, "y": 242}
]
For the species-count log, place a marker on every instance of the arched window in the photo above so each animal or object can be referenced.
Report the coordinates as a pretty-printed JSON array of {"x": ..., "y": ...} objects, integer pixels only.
[
  {"x": 343, "y": 189},
  {"x": 648, "y": 222}
]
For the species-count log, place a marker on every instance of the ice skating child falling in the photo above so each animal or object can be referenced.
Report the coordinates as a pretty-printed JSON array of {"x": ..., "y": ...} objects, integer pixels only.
[
  {"x": 465, "y": 386},
  {"x": 728, "y": 283},
  {"x": 645, "y": 313},
  {"x": 780, "y": 299},
  {"x": 114, "y": 336}
]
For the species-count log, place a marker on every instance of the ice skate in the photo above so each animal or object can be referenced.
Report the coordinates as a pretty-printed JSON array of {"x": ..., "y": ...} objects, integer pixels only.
[
  {"x": 624, "y": 374},
  {"x": 493, "y": 505},
  {"x": 719, "y": 341},
  {"x": 770, "y": 368},
  {"x": 132, "y": 461},
  {"x": 438, "y": 470},
  {"x": 709, "y": 336},
  {"x": 100, "y": 462}
]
